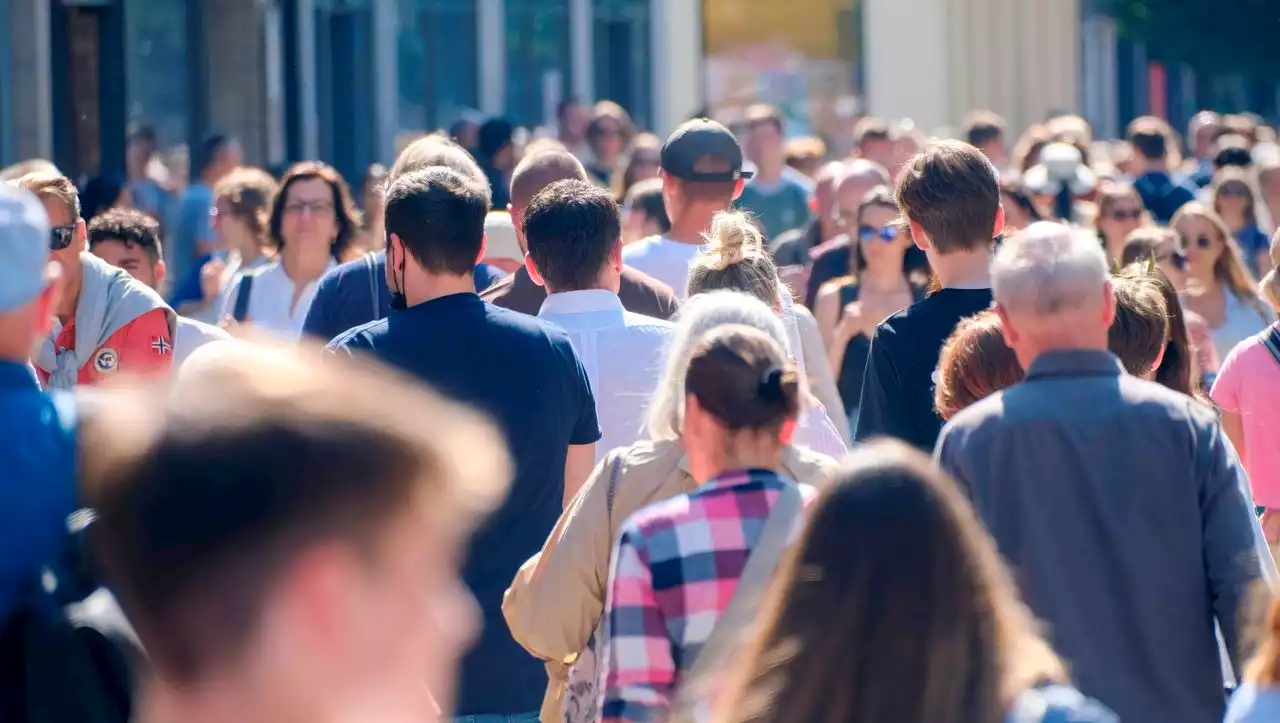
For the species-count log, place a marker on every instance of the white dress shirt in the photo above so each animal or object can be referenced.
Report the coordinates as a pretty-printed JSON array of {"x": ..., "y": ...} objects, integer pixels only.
[
  {"x": 270, "y": 298},
  {"x": 663, "y": 259},
  {"x": 622, "y": 353}
]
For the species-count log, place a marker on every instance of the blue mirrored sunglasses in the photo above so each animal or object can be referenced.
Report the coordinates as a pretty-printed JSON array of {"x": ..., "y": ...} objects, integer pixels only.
[{"x": 888, "y": 234}]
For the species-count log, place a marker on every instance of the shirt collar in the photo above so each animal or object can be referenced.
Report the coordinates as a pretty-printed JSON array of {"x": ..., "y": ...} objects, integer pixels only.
[
  {"x": 586, "y": 301},
  {"x": 17, "y": 375},
  {"x": 1075, "y": 363},
  {"x": 733, "y": 478}
]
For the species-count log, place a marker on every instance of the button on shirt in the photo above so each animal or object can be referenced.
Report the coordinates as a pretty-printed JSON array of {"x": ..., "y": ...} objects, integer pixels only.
[
  {"x": 622, "y": 353},
  {"x": 271, "y": 306},
  {"x": 665, "y": 260}
]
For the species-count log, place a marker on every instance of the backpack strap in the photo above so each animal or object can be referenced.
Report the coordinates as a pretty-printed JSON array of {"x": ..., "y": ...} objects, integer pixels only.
[
  {"x": 372, "y": 270},
  {"x": 615, "y": 470},
  {"x": 1271, "y": 340},
  {"x": 240, "y": 311}
]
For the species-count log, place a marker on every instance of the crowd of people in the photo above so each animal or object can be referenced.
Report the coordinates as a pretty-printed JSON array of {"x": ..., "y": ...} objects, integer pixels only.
[{"x": 607, "y": 427}]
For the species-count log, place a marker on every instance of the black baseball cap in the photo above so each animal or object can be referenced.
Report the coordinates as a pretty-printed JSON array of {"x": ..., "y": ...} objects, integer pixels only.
[{"x": 703, "y": 151}]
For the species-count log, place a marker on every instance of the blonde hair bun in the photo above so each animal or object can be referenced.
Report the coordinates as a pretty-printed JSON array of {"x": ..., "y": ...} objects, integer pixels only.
[{"x": 732, "y": 238}]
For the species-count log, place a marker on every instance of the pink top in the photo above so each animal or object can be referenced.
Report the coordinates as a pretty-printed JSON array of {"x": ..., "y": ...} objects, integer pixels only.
[{"x": 1249, "y": 384}]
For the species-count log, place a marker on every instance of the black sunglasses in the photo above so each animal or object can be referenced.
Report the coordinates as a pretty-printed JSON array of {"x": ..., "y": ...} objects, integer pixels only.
[
  {"x": 1123, "y": 215},
  {"x": 60, "y": 236},
  {"x": 1177, "y": 258}
]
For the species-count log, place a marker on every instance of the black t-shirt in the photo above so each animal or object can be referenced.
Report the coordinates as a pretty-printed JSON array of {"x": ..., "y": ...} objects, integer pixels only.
[
  {"x": 854, "y": 365},
  {"x": 897, "y": 391},
  {"x": 524, "y": 374}
]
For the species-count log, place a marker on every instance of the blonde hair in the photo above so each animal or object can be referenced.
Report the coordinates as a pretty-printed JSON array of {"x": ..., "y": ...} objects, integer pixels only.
[
  {"x": 51, "y": 184},
  {"x": 1270, "y": 285},
  {"x": 735, "y": 258},
  {"x": 1229, "y": 269}
]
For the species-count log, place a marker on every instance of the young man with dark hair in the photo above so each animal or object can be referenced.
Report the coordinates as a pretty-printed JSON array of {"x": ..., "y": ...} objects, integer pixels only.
[
  {"x": 130, "y": 240},
  {"x": 1141, "y": 327},
  {"x": 520, "y": 371},
  {"x": 949, "y": 197},
  {"x": 334, "y": 503},
  {"x": 985, "y": 130},
  {"x": 778, "y": 202},
  {"x": 1150, "y": 138},
  {"x": 574, "y": 232}
]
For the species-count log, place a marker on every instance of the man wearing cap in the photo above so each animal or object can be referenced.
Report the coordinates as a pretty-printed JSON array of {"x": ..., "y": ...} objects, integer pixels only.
[
  {"x": 37, "y": 485},
  {"x": 701, "y": 174},
  {"x": 107, "y": 321}
]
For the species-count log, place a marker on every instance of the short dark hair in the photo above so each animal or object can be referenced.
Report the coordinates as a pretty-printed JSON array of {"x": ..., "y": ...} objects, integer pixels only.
[
  {"x": 1149, "y": 136},
  {"x": 439, "y": 216},
  {"x": 571, "y": 228},
  {"x": 869, "y": 130},
  {"x": 764, "y": 114},
  {"x": 951, "y": 189},
  {"x": 539, "y": 169},
  {"x": 129, "y": 227},
  {"x": 1141, "y": 327},
  {"x": 646, "y": 197},
  {"x": 210, "y": 146},
  {"x": 344, "y": 206},
  {"x": 983, "y": 127}
]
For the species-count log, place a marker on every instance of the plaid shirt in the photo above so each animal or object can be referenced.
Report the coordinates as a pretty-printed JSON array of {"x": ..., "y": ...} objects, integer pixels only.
[{"x": 675, "y": 568}]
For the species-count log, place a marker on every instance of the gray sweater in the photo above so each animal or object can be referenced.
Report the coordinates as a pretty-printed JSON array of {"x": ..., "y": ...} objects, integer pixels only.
[{"x": 1116, "y": 502}]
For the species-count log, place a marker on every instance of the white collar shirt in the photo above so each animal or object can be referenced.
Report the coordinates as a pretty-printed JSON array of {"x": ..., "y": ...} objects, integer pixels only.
[
  {"x": 270, "y": 299},
  {"x": 622, "y": 353}
]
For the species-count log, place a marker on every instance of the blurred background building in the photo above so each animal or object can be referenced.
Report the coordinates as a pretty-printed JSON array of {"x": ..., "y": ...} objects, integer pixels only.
[{"x": 346, "y": 80}]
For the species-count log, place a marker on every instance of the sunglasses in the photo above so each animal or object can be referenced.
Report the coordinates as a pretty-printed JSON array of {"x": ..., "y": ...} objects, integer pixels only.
[
  {"x": 1203, "y": 242},
  {"x": 60, "y": 236},
  {"x": 888, "y": 234},
  {"x": 1234, "y": 192},
  {"x": 1177, "y": 258},
  {"x": 1123, "y": 215}
]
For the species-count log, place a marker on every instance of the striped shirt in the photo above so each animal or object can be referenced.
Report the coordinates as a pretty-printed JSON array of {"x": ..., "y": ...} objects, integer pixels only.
[{"x": 675, "y": 569}]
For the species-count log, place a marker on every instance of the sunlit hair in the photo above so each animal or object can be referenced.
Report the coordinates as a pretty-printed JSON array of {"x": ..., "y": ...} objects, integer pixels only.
[
  {"x": 346, "y": 214},
  {"x": 1141, "y": 326},
  {"x": 735, "y": 258},
  {"x": 1109, "y": 193},
  {"x": 1270, "y": 285},
  {"x": 249, "y": 193},
  {"x": 624, "y": 176},
  {"x": 1048, "y": 268},
  {"x": 1255, "y": 212},
  {"x": 52, "y": 185},
  {"x": 975, "y": 363},
  {"x": 1229, "y": 269},
  {"x": 1178, "y": 368},
  {"x": 853, "y": 628},
  {"x": 743, "y": 379}
]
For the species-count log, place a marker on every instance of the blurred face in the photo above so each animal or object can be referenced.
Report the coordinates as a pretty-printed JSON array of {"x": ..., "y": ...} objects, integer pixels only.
[
  {"x": 573, "y": 123},
  {"x": 1172, "y": 261},
  {"x": 139, "y": 153},
  {"x": 67, "y": 229},
  {"x": 1204, "y": 139},
  {"x": 310, "y": 219},
  {"x": 848, "y": 196},
  {"x": 609, "y": 143},
  {"x": 1270, "y": 182},
  {"x": 1233, "y": 200},
  {"x": 229, "y": 230},
  {"x": 131, "y": 258},
  {"x": 881, "y": 243},
  {"x": 764, "y": 143},
  {"x": 1015, "y": 216},
  {"x": 1124, "y": 215},
  {"x": 644, "y": 165},
  {"x": 884, "y": 152},
  {"x": 1202, "y": 243}
]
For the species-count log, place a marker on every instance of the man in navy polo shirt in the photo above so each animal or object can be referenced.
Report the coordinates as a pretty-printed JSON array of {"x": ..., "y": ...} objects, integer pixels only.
[
  {"x": 37, "y": 447},
  {"x": 521, "y": 371}
]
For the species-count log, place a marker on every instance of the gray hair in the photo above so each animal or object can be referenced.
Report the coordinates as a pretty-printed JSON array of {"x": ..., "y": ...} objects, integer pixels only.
[
  {"x": 1049, "y": 268},
  {"x": 697, "y": 316}
]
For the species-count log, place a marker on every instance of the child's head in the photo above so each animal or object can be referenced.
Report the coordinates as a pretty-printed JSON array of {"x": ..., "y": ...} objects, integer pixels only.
[{"x": 950, "y": 194}]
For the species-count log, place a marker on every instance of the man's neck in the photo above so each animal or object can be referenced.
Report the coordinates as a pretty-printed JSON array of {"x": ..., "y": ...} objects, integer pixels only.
[
  {"x": 436, "y": 286},
  {"x": 1148, "y": 165},
  {"x": 768, "y": 173},
  {"x": 303, "y": 268},
  {"x": 963, "y": 269},
  {"x": 70, "y": 299},
  {"x": 690, "y": 228}
]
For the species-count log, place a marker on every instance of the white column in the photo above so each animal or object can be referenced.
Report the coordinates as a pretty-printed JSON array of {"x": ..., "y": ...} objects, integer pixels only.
[
  {"x": 42, "y": 103},
  {"x": 273, "y": 72},
  {"x": 582, "y": 45},
  {"x": 386, "y": 101},
  {"x": 676, "y": 41},
  {"x": 308, "y": 113},
  {"x": 491, "y": 26},
  {"x": 908, "y": 81}
]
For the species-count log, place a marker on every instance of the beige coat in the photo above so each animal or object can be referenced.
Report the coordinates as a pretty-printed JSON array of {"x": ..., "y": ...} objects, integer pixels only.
[{"x": 557, "y": 597}]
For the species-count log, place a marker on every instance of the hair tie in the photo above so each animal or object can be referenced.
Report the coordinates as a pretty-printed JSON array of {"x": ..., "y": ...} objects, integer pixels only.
[{"x": 771, "y": 384}]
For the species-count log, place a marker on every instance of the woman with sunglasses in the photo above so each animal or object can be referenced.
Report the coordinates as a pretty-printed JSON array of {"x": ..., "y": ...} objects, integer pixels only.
[
  {"x": 1220, "y": 288},
  {"x": 1120, "y": 211},
  {"x": 1237, "y": 199},
  {"x": 879, "y": 284}
]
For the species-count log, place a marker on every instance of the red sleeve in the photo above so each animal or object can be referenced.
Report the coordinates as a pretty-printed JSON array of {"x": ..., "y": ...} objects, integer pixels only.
[{"x": 145, "y": 345}]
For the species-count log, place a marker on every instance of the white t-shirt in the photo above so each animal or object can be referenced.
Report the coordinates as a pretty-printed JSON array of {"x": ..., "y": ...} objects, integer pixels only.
[
  {"x": 270, "y": 298},
  {"x": 192, "y": 335},
  {"x": 663, "y": 259}
]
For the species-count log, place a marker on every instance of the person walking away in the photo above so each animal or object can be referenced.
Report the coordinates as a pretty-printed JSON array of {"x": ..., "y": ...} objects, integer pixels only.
[
  {"x": 496, "y": 154},
  {"x": 975, "y": 363},
  {"x": 520, "y": 371},
  {"x": 190, "y": 229},
  {"x": 778, "y": 203},
  {"x": 574, "y": 232},
  {"x": 742, "y": 397},
  {"x": 844, "y": 638},
  {"x": 639, "y": 292},
  {"x": 1051, "y": 466},
  {"x": 643, "y": 214},
  {"x": 347, "y": 482},
  {"x": 949, "y": 194},
  {"x": 1161, "y": 195},
  {"x": 106, "y": 321},
  {"x": 130, "y": 240}
]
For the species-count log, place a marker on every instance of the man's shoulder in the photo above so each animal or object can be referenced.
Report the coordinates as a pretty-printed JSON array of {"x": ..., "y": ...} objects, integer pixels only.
[
  {"x": 1162, "y": 402},
  {"x": 360, "y": 337},
  {"x": 647, "y": 324},
  {"x": 640, "y": 249},
  {"x": 632, "y": 276},
  {"x": 356, "y": 268},
  {"x": 499, "y": 288}
]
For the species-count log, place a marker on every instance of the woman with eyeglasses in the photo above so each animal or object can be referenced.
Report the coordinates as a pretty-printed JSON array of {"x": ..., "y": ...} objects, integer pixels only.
[
  {"x": 1220, "y": 288},
  {"x": 313, "y": 222},
  {"x": 1239, "y": 202},
  {"x": 1120, "y": 211},
  {"x": 879, "y": 284}
]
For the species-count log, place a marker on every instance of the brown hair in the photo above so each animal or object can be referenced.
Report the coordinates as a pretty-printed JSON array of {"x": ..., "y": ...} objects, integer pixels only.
[
  {"x": 250, "y": 192},
  {"x": 1229, "y": 269},
  {"x": 131, "y": 228},
  {"x": 735, "y": 258},
  {"x": 983, "y": 127},
  {"x": 53, "y": 185},
  {"x": 952, "y": 190},
  {"x": 1141, "y": 327},
  {"x": 1178, "y": 369},
  {"x": 869, "y": 130},
  {"x": 805, "y": 154},
  {"x": 344, "y": 206},
  {"x": 764, "y": 114},
  {"x": 887, "y": 540},
  {"x": 624, "y": 176},
  {"x": 277, "y": 453},
  {"x": 1026, "y": 153},
  {"x": 975, "y": 363},
  {"x": 1270, "y": 284},
  {"x": 1235, "y": 176},
  {"x": 1150, "y": 137},
  {"x": 609, "y": 110},
  {"x": 740, "y": 376}
]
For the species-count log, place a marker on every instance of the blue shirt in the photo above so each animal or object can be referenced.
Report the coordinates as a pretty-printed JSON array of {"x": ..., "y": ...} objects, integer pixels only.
[
  {"x": 524, "y": 374},
  {"x": 37, "y": 479},
  {"x": 1252, "y": 704},
  {"x": 1161, "y": 195},
  {"x": 356, "y": 293},
  {"x": 189, "y": 229}
]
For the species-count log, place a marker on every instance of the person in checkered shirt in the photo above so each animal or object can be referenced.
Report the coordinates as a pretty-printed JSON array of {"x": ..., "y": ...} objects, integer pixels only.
[{"x": 677, "y": 563}]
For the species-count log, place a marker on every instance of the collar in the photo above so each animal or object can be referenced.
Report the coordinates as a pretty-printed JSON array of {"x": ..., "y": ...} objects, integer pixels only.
[
  {"x": 460, "y": 300},
  {"x": 1075, "y": 363},
  {"x": 733, "y": 478},
  {"x": 17, "y": 375},
  {"x": 585, "y": 301}
]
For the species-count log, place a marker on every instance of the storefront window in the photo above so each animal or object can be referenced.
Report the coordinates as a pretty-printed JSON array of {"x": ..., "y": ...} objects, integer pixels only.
[
  {"x": 623, "y": 72},
  {"x": 344, "y": 84},
  {"x": 789, "y": 54},
  {"x": 436, "y": 60},
  {"x": 157, "y": 57},
  {"x": 539, "y": 62}
]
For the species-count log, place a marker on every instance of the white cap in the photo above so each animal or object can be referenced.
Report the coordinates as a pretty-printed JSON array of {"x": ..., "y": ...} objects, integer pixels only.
[{"x": 24, "y": 247}]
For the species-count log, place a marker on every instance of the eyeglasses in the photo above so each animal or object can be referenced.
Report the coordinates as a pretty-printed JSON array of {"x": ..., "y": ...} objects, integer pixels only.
[
  {"x": 60, "y": 237},
  {"x": 1177, "y": 258},
  {"x": 887, "y": 234},
  {"x": 1120, "y": 214},
  {"x": 297, "y": 208}
]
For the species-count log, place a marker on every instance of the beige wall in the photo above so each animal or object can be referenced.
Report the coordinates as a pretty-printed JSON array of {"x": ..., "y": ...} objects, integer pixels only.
[
  {"x": 935, "y": 60},
  {"x": 31, "y": 92},
  {"x": 237, "y": 79},
  {"x": 677, "y": 62}
]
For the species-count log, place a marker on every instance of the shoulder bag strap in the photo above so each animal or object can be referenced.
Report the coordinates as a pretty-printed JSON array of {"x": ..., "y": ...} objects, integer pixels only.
[
  {"x": 743, "y": 607},
  {"x": 1271, "y": 339},
  {"x": 615, "y": 470},
  {"x": 241, "y": 310},
  {"x": 372, "y": 269}
]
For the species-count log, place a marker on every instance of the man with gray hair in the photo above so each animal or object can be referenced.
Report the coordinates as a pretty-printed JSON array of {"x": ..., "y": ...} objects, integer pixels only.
[{"x": 1115, "y": 499}]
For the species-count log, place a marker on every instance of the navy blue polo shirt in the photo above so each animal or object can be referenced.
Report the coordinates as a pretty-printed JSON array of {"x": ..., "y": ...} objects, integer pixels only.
[
  {"x": 37, "y": 479},
  {"x": 524, "y": 374}
]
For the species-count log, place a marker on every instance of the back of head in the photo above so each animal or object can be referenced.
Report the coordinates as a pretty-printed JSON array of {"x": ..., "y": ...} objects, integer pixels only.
[
  {"x": 975, "y": 363},
  {"x": 23, "y": 168},
  {"x": 1149, "y": 137},
  {"x": 24, "y": 256},
  {"x": 572, "y": 229},
  {"x": 495, "y": 134},
  {"x": 248, "y": 193},
  {"x": 280, "y": 455},
  {"x": 953, "y": 192},
  {"x": 984, "y": 127},
  {"x": 1141, "y": 327},
  {"x": 742, "y": 378},
  {"x": 888, "y": 538},
  {"x": 703, "y": 161},
  {"x": 1048, "y": 269},
  {"x": 646, "y": 197},
  {"x": 439, "y": 216},
  {"x": 735, "y": 259},
  {"x": 437, "y": 150},
  {"x": 538, "y": 170}
]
